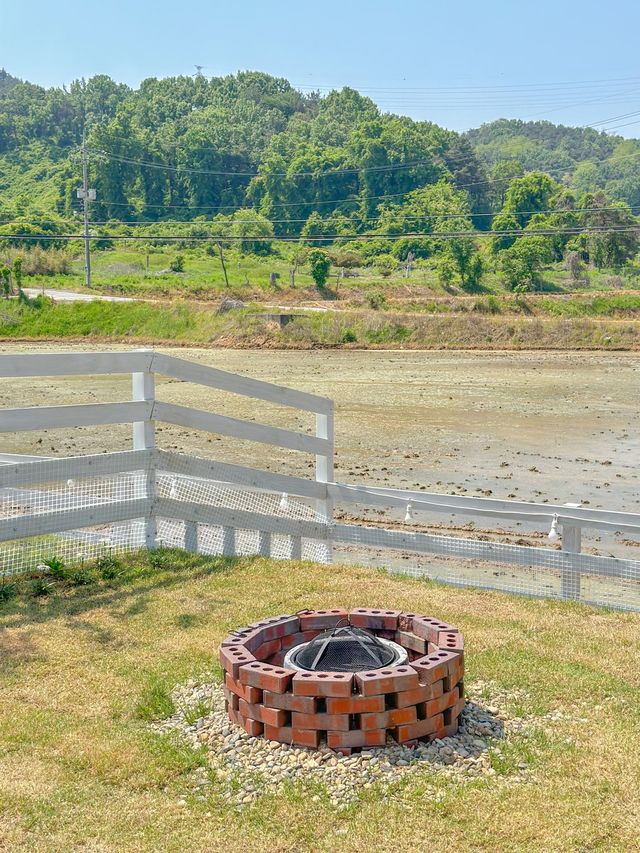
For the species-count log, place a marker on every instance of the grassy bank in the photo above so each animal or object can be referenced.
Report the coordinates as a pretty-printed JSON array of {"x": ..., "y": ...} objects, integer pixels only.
[
  {"x": 480, "y": 327},
  {"x": 134, "y": 271},
  {"x": 84, "y": 668}
]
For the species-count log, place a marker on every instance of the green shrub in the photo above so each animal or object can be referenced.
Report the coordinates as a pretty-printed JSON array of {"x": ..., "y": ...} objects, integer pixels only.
[
  {"x": 41, "y": 587},
  {"x": 177, "y": 264},
  {"x": 376, "y": 300},
  {"x": 81, "y": 576},
  {"x": 109, "y": 567},
  {"x": 349, "y": 336},
  {"x": 8, "y": 591},
  {"x": 56, "y": 567},
  {"x": 320, "y": 264}
]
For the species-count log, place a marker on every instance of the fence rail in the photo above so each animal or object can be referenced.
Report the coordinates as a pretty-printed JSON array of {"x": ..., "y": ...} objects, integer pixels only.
[{"x": 147, "y": 496}]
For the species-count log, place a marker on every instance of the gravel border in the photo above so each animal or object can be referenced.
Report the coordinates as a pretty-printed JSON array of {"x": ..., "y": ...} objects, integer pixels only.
[{"x": 247, "y": 767}]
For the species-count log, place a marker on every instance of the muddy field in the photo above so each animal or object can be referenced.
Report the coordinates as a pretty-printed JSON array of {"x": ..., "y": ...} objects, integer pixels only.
[{"x": 556, "y": 427}]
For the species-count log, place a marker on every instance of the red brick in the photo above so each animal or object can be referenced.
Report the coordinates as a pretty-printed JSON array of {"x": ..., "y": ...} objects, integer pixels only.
[
  {"x": 410, "y": 641},
  {"x": 276, "y": 627},
  {"x": 283, "y": 734},
  {"x": 423, "y": 693},
  {"x": 374, "y": 619},
  {"x": 447, "y": 731},
  {"x": 428, "y": 628},
  {"x": 436, "y": 666},
  {"x": 458, "y": 708},
  {"x": 252, "y": 695},
  {"x": 292, "y": 640},
  {"x": 319, "y": 620},
  {"x": 356, "y": 739},
  {"x": 233, "y": 701},
  {"x": 456, "y": 674},
  {"x": 270, "y": 716},
  {"x": 451, "y": 641},
  {"x": 437, "y": 706},
  {"x": 306, "y": 737},
  {"x": 389, "y": 680},
  {"x": 322, "y": 683},
  {"x": 249, "y": 637},
  {"x": 322, "y": 722},
  {"x": 289, "y": 702},
  {"x": 277, "y": 659},
  {"x": 233, "y": 657},
  {"x": 252, "y": 727},
  {"x": 356, "y": 705},
  {"x": 233, "y": 715},
  {"x": 266, "y": 650},
  {"x": 388, "y": 719},
  {"x": 232, "y": 640},
  {"x": 419, "y": 729},
  {"x": 405, "y": 621},
  {"x": 266, "y": 677}
]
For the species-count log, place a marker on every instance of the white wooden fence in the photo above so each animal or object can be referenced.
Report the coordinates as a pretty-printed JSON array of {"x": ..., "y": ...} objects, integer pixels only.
[{"x": 147, "y": 496}]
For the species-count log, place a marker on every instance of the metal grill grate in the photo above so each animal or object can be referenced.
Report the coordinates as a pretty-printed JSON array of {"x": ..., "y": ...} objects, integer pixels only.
[{"x": 345, "y": 649}]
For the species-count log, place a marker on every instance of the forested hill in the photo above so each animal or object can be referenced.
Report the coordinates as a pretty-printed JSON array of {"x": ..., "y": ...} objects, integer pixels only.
[{"x": 191, "y": 147}]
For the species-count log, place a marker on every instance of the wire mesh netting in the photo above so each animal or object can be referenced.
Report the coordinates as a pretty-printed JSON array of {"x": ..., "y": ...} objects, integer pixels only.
[
  {"x": 48, "y": 510},
  {"x": 40, "y": 510}
]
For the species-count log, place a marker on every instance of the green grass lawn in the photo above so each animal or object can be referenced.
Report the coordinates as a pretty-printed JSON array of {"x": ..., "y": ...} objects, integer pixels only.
[{"x": 83, "y": 669}]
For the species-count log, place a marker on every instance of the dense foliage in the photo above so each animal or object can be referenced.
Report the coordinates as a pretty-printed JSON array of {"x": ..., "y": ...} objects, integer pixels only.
[{"x": 249, "y": 158}]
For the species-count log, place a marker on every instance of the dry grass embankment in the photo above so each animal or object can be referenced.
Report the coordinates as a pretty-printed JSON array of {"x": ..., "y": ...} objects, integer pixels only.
[{"x": 183, "y": 323}]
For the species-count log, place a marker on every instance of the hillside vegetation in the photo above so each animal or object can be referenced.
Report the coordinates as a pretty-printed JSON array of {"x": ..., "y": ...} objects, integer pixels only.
[{"x": 240, "y": 183}]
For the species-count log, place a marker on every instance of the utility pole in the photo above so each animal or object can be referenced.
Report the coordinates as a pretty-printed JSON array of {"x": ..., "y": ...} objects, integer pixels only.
[{"x": 87, "y": 195}]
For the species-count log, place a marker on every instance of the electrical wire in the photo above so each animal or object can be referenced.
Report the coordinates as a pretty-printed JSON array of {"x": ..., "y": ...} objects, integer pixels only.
[
  {"x": 400, "y": 218},
  {"x": 444, "y": 235}
]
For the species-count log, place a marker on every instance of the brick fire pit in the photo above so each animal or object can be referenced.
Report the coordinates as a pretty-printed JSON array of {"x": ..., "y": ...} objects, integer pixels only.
[{"x": 420, "y": 699}]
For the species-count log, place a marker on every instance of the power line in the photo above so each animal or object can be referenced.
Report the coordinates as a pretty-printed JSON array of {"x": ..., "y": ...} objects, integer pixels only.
[
  {"x": 402, "y": 217},
  {"x": 443, "y": 235},
  {"x": 219, "y": 173},
  {"x": 465, "y": 87},
  {"x": 558, "y": 170}
]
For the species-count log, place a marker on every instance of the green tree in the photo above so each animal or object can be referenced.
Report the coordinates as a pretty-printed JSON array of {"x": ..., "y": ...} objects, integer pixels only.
[
  {"x": 611, "y": 230},
  {"x": 5, "y": 278},
  {"x": 320, "y": 264},
  {"x": 522, "y": 262},
  {"x": 17, "y": 272},
  {"x": 528, "y": 195},
  {"x": 504, "y": 222},
  {"x": 461, "y": 259}
]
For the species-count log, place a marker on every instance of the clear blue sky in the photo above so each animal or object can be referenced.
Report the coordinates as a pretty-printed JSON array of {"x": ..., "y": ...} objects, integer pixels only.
[{"x": 394, "y": 51}]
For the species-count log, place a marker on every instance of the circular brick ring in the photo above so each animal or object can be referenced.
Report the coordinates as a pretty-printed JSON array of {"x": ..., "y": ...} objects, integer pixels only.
[{"x": 419, "y": 700}]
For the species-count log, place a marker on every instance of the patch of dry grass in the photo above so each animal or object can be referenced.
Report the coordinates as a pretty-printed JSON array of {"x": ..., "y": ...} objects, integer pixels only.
[{"x": 80, "y": 771}]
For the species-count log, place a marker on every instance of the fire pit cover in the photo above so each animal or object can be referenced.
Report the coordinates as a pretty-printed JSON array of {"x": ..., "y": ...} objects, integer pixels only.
[{"x": 345, "y": 649}]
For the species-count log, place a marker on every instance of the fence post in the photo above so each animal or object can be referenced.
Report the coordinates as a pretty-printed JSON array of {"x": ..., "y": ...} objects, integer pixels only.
[
  {"x": 144, "y": 438},
  {"x": 191, "y": 537},
  {"x": 264, "y": 543},
  {"x": 572, "y": 544},
  {"x": 228, "y": 542},
  {"x": 324, "y": 474},
  {"x": 296, "y": 547}
]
